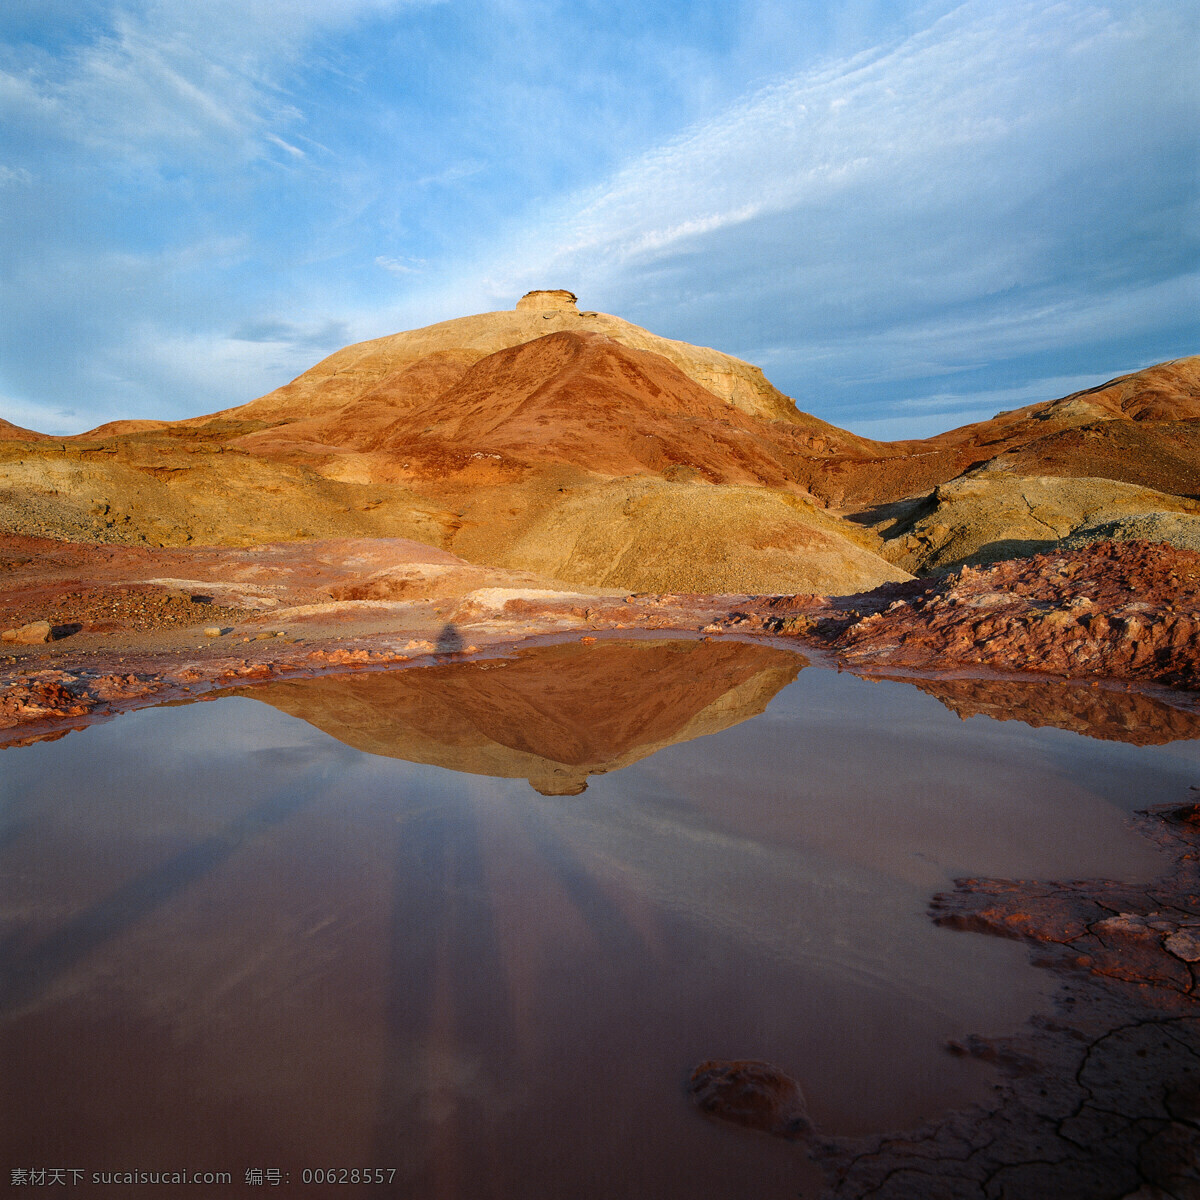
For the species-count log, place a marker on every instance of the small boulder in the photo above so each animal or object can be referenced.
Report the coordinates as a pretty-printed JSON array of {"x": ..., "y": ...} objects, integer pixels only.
[
  {"x": 756, "y": 1095},
  {"x": 213, "y": 631},
  {"x": 36, "y": 633},
  {"x": 1184, "y": 944}
]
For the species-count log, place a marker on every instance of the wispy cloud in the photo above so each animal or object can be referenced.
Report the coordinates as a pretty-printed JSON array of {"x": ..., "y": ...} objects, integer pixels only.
[
  {"x": 206, "y": 77},
  {"x": 399, "y": 266},
  {"x": 970, "y": 198},
  {"x": 1014, "y": 179},
  {"x": 325, "y": 336}
]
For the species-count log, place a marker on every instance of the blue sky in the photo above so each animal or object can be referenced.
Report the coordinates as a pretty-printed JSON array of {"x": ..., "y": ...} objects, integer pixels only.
[{"x": 911, "y": 215}]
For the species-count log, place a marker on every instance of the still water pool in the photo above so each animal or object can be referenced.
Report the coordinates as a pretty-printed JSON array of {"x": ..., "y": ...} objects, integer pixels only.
[{"x": 474, "y": 924}]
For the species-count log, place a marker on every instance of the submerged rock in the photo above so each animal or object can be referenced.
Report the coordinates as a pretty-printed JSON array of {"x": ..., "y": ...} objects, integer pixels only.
[{"x": 756, "y": 1095}]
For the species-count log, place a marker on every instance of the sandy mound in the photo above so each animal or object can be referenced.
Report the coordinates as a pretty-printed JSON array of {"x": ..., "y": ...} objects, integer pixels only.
[
  {"x": 158, "y": 490},
  {"x": 358, "y": 369},
  {"x": 652, "y": 535},
  {"x": 987, "y": 517}
]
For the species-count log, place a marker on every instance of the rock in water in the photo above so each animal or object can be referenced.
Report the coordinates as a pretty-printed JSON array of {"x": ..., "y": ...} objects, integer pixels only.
[
  {"x": 36, "y": 633},
  {"x": 754, "y": 1094}
]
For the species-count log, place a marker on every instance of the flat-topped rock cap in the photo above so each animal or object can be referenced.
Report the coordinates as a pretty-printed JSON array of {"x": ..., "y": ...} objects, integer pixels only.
[{"x": 557, "y": 299}]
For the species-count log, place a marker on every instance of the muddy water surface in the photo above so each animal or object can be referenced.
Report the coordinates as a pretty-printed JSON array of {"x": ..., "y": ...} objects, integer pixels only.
[{"x": 475, "y": 923}]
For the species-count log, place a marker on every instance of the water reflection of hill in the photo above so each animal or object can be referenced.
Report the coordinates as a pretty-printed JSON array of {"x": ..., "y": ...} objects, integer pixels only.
[
  {"x": 1096, "y": 712},
  {"x": 553, "y": 715}
]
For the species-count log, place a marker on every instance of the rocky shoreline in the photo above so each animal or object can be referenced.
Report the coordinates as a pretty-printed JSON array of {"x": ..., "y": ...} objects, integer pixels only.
[
  {"x": 1101, "y": 1099},
  {"x": 1111, "y": 615}
]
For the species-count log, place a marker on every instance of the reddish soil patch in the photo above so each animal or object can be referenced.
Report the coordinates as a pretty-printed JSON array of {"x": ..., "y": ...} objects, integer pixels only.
[
  {"x": 133, "y": 607},
  {"x": 1112, "y": 610}
]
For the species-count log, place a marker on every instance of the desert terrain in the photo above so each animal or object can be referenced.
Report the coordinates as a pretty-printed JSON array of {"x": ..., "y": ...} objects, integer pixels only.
[{"x": 423, "y": 505}]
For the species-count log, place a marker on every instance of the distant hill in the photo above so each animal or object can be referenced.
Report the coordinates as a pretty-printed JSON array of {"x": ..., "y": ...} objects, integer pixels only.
[{"x": 585, "y": 448}]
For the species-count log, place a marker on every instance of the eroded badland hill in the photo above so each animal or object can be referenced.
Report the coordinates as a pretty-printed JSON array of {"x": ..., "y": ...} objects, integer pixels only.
[
  {"x": 550, "y": 450},
  {"x": 583, "y": 448}
]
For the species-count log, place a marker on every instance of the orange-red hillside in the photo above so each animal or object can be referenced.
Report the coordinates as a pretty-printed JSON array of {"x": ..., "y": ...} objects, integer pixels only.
[
  {"x": 589, "y": 450},
  {"x": 1140, "y": 428},
  {"x": 586, "y": 400}
]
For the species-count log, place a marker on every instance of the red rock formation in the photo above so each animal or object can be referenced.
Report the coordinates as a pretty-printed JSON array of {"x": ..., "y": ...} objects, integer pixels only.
[
  {"x": 1111, "y": 610},
  {"x": 586, "y": 400}
]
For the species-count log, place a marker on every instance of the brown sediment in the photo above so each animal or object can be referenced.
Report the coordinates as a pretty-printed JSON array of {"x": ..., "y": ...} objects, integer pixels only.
[
  {"x": 753, "y": 1094},
  {"x": 1102, "y": 1099}
]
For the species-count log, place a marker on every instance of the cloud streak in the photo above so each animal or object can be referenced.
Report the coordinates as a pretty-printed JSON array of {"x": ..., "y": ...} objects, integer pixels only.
[
  {"x": 971, "y": 199},
  {"x": 165, "y": 80},
  {"x": 1013, "y": 180}
]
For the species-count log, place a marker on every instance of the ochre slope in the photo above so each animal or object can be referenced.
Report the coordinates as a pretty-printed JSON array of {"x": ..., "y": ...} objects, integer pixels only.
[
  {"x": 1140, "y": 428},
  {"x": 353, "y": 371},
  {"x": 16, "y": 433},
  {"x": 585, "y": 400},
  {"x": 650, "y": 535},
  {"x": 987, "y": 516},
  {"x": 552, "y": 440}
]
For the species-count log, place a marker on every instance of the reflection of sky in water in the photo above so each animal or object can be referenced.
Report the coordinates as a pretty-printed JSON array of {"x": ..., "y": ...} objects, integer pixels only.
[{"x": 227, "y": 933}]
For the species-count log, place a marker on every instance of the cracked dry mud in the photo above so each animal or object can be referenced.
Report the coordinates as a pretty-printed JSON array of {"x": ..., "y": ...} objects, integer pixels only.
[{"x": 1102, "y": 1099}]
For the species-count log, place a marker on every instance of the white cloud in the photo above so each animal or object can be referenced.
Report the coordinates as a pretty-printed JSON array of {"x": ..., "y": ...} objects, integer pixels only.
[
  {"x": 454, "y": 173},
  {"x": 201, "y": 78},
  {"x": 1011, "y": 180},
  {"x": 878, "y": 120},
  {"x": 399, "y": 266}
]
